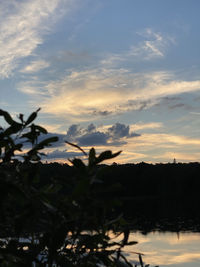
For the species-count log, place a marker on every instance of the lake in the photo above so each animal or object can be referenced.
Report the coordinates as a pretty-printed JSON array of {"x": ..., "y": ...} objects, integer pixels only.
[{"x": 166, "y": 249}]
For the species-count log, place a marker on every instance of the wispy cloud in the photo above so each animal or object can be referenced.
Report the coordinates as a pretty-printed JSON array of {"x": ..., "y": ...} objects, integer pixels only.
[
  {"x": 35, "y": 66},
  {"x": 22, "y": 28},
  {"x": 93, "y": 93},
  {"x": 161, "y": 147},
  {"x": 165, "y": 140},
  {"x": 142, "y": 126},
  {"x": 153, "y": 46}
]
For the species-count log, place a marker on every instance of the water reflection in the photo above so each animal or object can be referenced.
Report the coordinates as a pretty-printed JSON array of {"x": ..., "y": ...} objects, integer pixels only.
[{"x": 166, "y": 249}]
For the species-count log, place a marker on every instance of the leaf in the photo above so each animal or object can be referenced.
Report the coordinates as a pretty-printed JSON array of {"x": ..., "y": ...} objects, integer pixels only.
[
  {"x": 92, "y": 156},
  {"x": 41, "y": 145},
  {"x": 7, "y": 117},
  {"x": 32, "y": 117},
  {"x": 16, "y": 127},
  {"x": 126, "y": 262},
  {"x": 126, "y": 236},
  {"x": 107, "y": 155},
  {"x": 78, "y": 163},
  {"x": 21, "y": 117},
  {"x": 28, "y": 135},
  {"x": 141, "y": 261},
  {"x": 41, "y": 129},
  {"x": 131, "y": 243},
  {"x": 71, "y": 144},
  {"x": 46, "y": 142}
]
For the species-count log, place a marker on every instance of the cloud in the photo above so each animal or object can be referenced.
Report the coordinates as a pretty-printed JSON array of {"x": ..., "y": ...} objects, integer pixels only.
[
  {"x": 112, "y": 136},
  {"x": 149, "y": 147},
  {"x": 116, "y": 134},
  {"x": 86, "y": 137},
  {"x": 91, "y": 139},
  {"x": 35, "y": 66},
  {"x": 105, "y": 89},
  {"x": 119, "y": 130},
  {"x": 22, "y": 27},
  {"x": 180, "y": 156},
  {"x": 142, "y": 126},
  {"x": 154, "y": 45},
  {"x": 73, "y": 131},
  {"x": 166, "y": 140},
  {"x": 195, "y": 113},
  {"x": 158, "y": 147},
  {"x": 92, "y": 93}
]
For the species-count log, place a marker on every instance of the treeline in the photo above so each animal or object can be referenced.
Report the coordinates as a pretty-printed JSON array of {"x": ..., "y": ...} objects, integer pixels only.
[{"x": 150, "y": 194}]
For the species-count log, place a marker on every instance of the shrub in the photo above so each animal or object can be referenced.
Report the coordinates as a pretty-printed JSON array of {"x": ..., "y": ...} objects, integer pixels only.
[{"x": 41, "y": 224}]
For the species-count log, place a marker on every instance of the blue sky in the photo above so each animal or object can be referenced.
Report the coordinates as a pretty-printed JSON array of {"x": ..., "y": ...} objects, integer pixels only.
[{"x": 119, "y": 75}]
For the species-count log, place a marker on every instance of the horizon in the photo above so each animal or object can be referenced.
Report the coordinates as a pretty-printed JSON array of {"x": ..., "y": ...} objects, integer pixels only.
[{"x": 114, "y": 75}]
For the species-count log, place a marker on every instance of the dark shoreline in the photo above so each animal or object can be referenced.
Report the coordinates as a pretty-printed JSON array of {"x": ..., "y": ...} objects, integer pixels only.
[{"x": 162, "y": 197}]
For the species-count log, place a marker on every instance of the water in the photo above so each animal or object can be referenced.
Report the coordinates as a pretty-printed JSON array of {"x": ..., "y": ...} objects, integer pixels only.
[{"x": 166, "y": 249}]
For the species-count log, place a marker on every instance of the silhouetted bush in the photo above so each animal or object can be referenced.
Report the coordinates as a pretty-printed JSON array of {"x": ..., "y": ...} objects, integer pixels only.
[{"x": 59, "y": 220}]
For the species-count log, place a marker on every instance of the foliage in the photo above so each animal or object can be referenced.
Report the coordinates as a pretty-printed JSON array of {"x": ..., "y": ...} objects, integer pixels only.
[{"x": 68, "y": 221}]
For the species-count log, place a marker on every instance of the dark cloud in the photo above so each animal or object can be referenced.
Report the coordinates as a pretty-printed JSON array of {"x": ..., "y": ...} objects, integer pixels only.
[
  {"x": 91, "y": 139},
  {"x": 73, "y": 131},
  {"x": 118, "y": 130},
  {"x": 116, "y": 135},
  {"x": 91, "y": 128},
  {"x": 90, "y": 136}
]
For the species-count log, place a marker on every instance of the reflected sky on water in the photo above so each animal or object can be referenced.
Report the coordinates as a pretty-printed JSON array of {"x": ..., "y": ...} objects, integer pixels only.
[{"x": 166, "y": 249}]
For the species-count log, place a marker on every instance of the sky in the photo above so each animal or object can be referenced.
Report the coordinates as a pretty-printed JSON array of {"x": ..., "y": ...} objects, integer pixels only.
[{"x": 110, "y": 74}]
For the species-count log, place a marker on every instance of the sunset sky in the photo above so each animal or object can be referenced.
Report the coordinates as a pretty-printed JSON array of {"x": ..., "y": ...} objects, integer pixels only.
[{"x": 113, "y": 74}]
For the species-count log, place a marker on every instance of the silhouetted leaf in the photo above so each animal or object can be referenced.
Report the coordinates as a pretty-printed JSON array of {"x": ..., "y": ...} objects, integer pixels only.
[
  {"x": 141, "y": 261},
  {"x": 107, "y": 155},
  {"x": 46, "y": 142},
  {"x": 78, "y": 163},
  {"x": 92, "y": 156},
  {"x": 41, "y": 129},
  {"x": 21, "y": 117},
  {"x": 16, "y": 127},
  {"x": 71, "y": 144},
  {"x": 32, "y": 117},
  {"x": 7, "y": 117}
]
